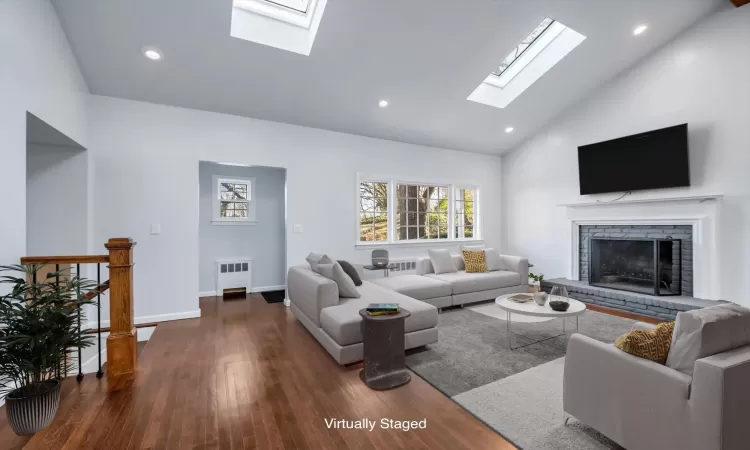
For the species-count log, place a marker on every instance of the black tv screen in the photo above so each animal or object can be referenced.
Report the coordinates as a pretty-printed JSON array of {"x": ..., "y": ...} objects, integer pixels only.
[{"x": 653, "y": 160}]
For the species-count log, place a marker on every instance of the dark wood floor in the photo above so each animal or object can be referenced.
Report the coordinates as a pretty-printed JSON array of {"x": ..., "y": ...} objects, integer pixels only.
[{"x": 247, "y": 375}]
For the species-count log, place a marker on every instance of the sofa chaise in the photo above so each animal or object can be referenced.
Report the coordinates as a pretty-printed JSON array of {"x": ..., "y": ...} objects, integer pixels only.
[{"x": 335, "y": 322}]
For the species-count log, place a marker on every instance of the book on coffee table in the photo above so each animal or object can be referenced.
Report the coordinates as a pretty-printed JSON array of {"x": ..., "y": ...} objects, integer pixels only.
[
  {"x": 378, "y": 309},
  {"x": 521, "y": 298}
]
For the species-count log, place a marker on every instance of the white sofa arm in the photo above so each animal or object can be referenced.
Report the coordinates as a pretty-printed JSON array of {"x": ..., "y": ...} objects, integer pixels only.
[
  {"x": 517, "y": 264},
  {"x": 720, "y": 400},
  {"x": 311, "y": 292},
  {"x": 620, "y": 394}
]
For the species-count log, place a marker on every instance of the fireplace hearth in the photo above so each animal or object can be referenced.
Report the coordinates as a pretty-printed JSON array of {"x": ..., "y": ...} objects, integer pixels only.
[{"x": 648, "y": 266}]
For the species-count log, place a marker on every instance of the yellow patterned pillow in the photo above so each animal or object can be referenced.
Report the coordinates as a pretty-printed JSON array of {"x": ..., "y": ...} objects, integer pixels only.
[
  {"x": 475, "y": 261},
  {"x": 649, "y": 344}
]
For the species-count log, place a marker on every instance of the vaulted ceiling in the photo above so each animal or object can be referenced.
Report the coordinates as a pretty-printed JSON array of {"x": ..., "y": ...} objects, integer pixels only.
[{"x": 424, "y": 56}]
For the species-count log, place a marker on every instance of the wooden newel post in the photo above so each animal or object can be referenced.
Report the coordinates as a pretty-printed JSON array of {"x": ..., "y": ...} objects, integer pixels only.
[{"x": 121, "y": 342}]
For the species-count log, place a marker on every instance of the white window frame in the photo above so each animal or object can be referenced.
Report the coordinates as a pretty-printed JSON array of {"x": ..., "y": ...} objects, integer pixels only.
[
  {"x": 216, "y": 218},
  {"x": 476, "y": 219},
  {"x": 393, "y": 181},
  {"x": 277, "y": 11}
]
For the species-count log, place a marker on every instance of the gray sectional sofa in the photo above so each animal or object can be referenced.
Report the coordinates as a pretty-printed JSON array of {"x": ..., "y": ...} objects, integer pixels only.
[
  {"x": 477, "y": 287},
  {"x": 335, "y": 321}
]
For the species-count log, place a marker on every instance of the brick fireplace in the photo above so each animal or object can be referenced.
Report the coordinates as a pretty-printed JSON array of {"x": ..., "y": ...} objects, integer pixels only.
[
  {"x": 691, "y": 221},
  {"x": 681, "y": 233}
]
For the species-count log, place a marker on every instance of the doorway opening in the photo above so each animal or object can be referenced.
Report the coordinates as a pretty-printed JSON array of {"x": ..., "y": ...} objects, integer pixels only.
[{"x": 242, "y": 231}]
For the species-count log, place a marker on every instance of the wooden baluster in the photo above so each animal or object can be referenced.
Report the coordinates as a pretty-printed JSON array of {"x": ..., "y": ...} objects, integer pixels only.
[{"x": 121, "y": 342}]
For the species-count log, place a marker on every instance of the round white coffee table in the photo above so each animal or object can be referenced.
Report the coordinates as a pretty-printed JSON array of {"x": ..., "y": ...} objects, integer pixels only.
[{"x": 532, "y": 309}]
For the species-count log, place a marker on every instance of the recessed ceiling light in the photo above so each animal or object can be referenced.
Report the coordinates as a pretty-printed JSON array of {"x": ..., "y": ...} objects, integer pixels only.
[
  {"x": 509, "y": 129},
  {"x": 640, "y": 29},
  {"x": 383, "y": 103},
  {"x": 152, "y": 53}
]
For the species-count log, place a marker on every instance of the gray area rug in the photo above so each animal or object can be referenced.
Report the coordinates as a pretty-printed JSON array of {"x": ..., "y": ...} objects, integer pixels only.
[
  {"x": 516, "y": 392},
  {"x": 526, "y": 408},
  {"x": 472, "y": 349}
]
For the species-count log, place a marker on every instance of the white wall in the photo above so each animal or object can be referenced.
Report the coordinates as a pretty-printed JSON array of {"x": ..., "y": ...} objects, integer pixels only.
[
  {"x": 145, "y": 153},
  {"x": 56, "y": 201},
  {"x": 264, "y": 241},
  {"x": 39, "y": 74},
  {"x": 701, "y": 78}
]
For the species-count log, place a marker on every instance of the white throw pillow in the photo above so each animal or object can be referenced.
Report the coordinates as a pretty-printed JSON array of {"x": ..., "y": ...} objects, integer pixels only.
[
  {"x": 704, "y": 332},
  {"x": 316, "y": 258},
  {"x": 493, "y": 260},
  {"x": 442, "y": 262},
  {"x": 335, "y": 272},
  {"x": 313, "y": 259}
]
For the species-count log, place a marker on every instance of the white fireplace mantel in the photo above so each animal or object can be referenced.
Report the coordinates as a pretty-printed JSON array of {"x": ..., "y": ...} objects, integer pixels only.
[{"x": 700, "y": 212}]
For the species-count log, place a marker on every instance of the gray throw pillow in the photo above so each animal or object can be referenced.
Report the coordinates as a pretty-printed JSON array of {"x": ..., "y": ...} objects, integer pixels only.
[
  {"x": 313, "y": 259},
  {"x": 352, "y": 272},
  {"x": 493, "y": 260},
  {"x": 442, "y": 262},
  {"x": 316, "y": 258},
  {"x": 335, "y": 272}
]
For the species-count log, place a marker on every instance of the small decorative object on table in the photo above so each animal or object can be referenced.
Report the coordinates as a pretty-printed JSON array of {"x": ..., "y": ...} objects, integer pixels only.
[
  {"x": 536, "y": 285},
  {"x": 379, "y": 309},
  {"x": 558, "y": 298},
  {"x": 540, "y": 298},
  {"x": 521, "y": 298},
  {"x": 380, "y": 258},
  {"x": 383, "y": 349}
]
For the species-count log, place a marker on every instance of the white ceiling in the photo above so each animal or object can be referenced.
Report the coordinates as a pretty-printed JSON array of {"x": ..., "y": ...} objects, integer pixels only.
[{"x": 424, "y": 56}]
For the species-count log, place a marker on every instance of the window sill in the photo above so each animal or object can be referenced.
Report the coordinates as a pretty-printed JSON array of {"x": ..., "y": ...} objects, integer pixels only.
[
  {"x": 234, "y": 222},
  {"x": 418, "y": 243}
]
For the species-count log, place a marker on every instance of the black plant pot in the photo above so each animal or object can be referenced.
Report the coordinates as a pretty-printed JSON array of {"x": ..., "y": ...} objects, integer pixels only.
[{"x": 31, "y": 408}]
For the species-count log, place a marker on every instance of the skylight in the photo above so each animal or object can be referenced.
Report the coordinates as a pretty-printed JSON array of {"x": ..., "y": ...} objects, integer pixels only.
[
  {"x": 523, "y": 46},
  {"x": 546, "y": 45},
  {"x": 285, "y": 24},
  {"x": 297, "y": 5}
]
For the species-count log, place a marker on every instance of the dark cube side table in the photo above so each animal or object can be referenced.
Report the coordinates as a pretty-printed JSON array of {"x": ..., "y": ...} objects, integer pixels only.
[{"x": 384, "y": 357}]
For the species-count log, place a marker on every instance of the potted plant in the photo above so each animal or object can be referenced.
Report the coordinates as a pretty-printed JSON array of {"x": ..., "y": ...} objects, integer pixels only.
[
  {"x": 536, "y": 284},
  {"x": 39, "y": 333}
]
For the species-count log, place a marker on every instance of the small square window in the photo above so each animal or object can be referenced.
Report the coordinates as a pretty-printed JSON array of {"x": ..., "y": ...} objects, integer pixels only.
[{"x": 233, "y": 201}]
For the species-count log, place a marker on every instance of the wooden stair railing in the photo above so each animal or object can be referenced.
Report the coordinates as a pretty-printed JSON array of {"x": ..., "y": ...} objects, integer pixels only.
[{"x": 121, "y": 342}]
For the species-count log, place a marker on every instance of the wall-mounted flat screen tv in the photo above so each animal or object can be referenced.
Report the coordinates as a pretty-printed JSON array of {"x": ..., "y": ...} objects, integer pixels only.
[{"x": 653, "y": 160}]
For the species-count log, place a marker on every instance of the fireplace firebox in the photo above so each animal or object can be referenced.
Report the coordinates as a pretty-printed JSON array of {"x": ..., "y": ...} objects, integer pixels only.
[{"x": 648, "y": 266}]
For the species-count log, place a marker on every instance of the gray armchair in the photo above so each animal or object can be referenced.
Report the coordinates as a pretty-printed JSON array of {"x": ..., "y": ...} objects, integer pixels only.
[{"x": 643, "y": 405}]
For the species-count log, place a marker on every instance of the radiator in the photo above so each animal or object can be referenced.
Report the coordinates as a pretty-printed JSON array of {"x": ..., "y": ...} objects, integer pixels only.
[
  {"x": 403, "y": 265},
  {"x": 233, "y": 274}
]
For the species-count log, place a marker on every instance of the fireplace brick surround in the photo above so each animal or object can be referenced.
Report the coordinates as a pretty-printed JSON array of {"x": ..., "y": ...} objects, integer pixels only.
[
  {"x": 665, "y": 308},
  {"x": 682, "y": 232},
  {"x": 692, "y": 219}
]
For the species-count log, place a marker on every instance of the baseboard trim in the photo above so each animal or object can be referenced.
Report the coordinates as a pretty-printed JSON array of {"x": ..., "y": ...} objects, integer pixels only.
[
  {"x": 91, "y": 365},
  {"x": 195, "y": 314},
  {"x": 267, "y": 288},
  {"x": 253, "y": 290}
]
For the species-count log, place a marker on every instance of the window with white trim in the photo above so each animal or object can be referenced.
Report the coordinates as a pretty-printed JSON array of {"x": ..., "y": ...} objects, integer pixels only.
[
  {"x": 373, "y": 211},
  {"x": 465, "y": 213},
  {"x": 391, "y": 211},
  {"x": 421, "y": 212},
  {"x": 233, "y": 200}
]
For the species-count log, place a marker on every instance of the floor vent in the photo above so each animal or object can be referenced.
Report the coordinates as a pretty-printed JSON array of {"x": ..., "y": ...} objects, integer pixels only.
[{"x": 233, "y": 276}]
